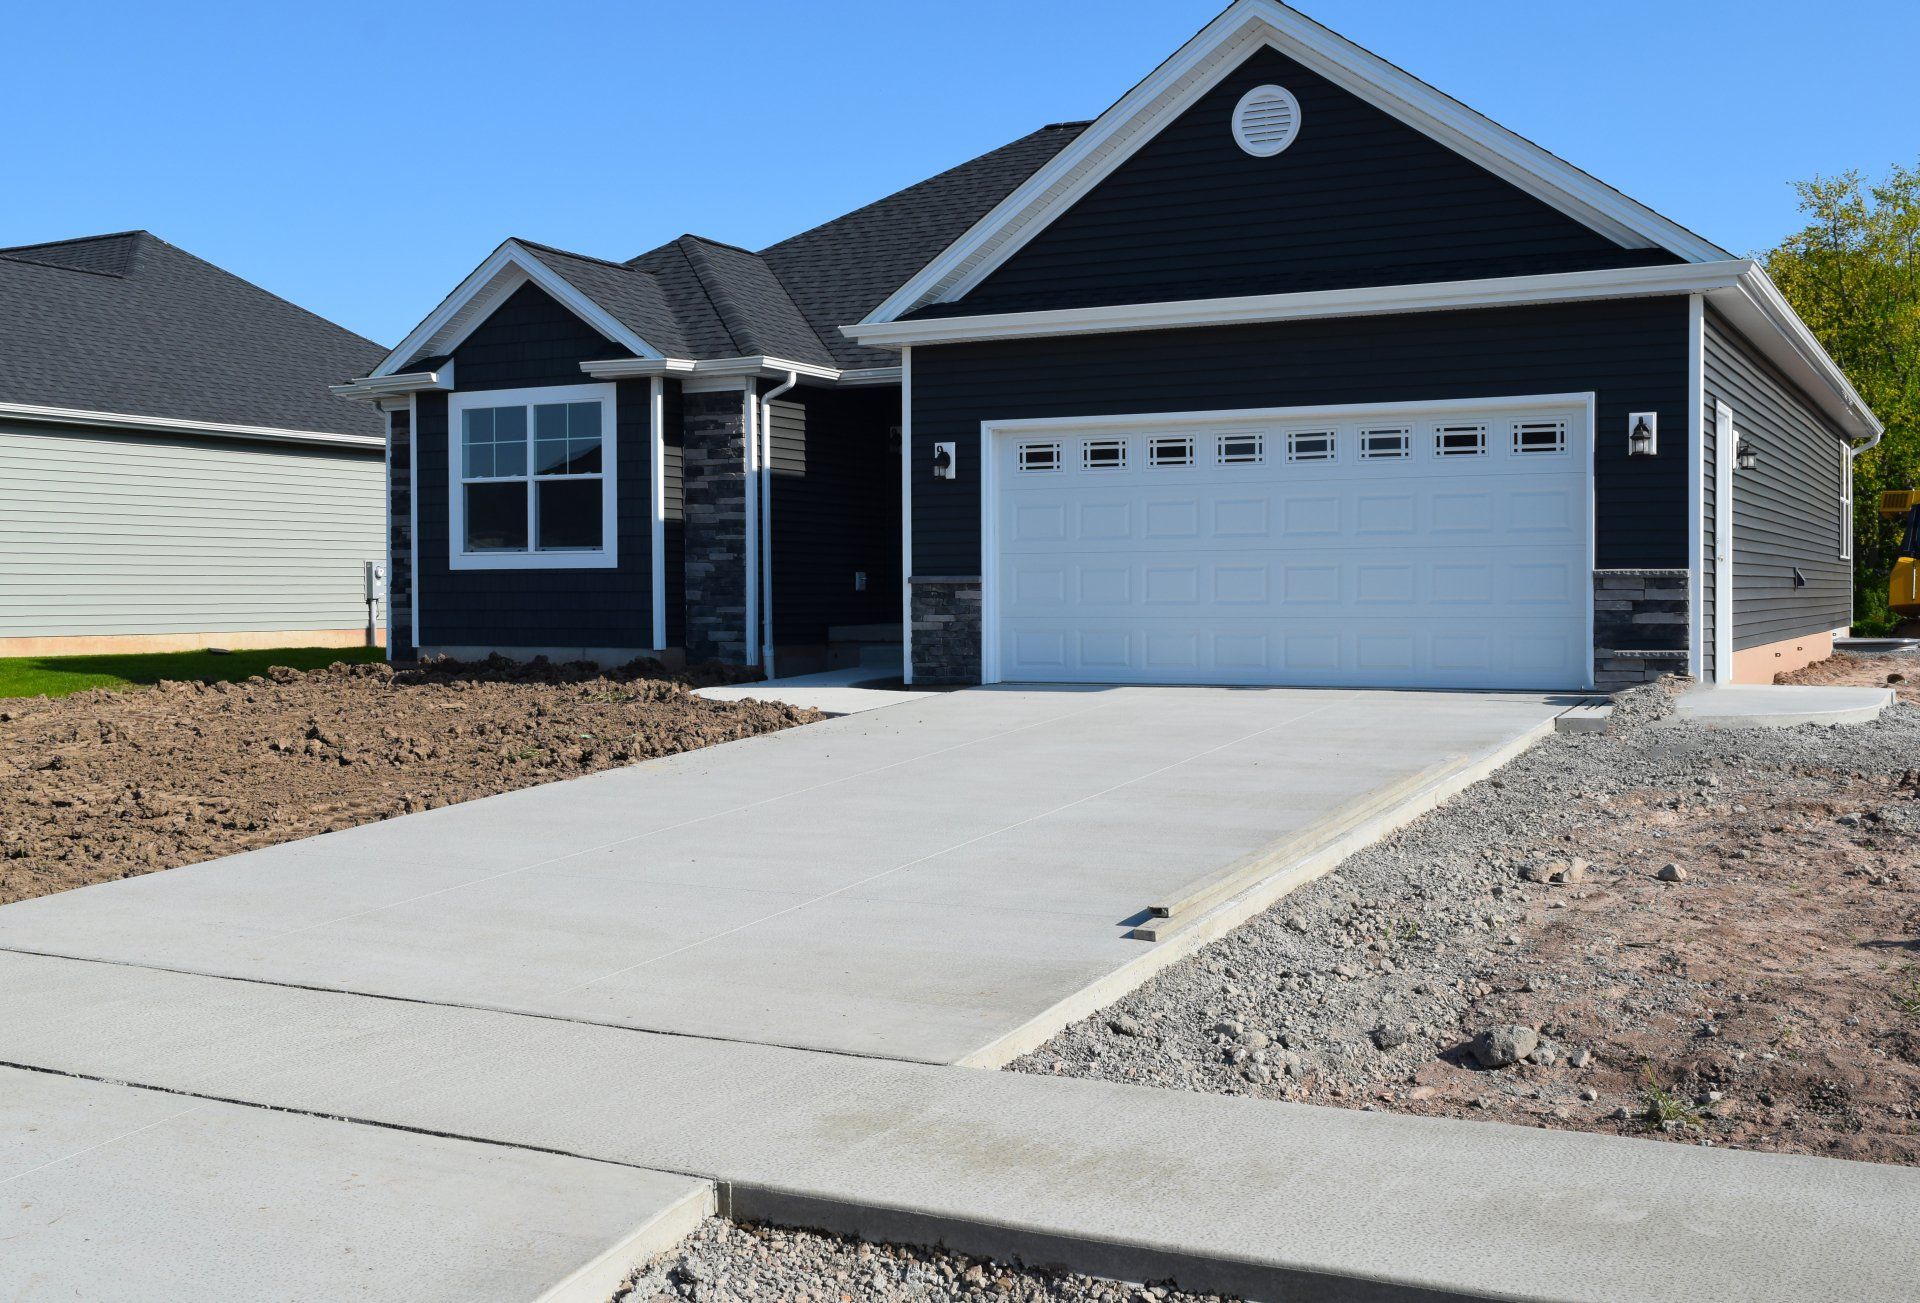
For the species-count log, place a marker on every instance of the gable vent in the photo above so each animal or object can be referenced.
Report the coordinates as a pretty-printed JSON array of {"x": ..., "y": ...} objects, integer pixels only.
[{"x": 1266, "y": 120}]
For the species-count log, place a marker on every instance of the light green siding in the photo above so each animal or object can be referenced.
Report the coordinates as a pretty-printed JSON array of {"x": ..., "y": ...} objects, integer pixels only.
[{"x": 118, "y": 533}]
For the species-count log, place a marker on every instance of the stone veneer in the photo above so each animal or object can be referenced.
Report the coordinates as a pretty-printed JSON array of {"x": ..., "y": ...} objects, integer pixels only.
[
  {"x": 714, "y": 481},
  {"x": 1640, "y": 625},
  {"x": 400, "y": 644},
  {"x": 946, "y": 630}
]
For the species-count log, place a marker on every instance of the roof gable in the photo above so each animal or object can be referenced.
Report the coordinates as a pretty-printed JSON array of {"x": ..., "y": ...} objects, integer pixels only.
[
  {"x": 1359, "y": 198},
  {"x": 1213, "y": 54},
  {"x": 129, "y": 325}
]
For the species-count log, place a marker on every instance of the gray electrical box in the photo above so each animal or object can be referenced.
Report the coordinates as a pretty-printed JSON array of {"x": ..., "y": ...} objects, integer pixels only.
[{"x": 376, "y": 581}]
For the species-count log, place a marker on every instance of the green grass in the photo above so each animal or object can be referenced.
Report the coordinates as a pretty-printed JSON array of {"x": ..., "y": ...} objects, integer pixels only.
[{"x": 56, "y": 676}]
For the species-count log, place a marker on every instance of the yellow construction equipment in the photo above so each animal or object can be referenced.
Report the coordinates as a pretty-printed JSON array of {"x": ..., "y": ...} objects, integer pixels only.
[{"x": 1903, "y": 590}]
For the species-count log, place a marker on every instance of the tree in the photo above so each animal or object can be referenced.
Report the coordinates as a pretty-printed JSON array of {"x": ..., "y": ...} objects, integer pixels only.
[{"x": 1853, "y": 274}]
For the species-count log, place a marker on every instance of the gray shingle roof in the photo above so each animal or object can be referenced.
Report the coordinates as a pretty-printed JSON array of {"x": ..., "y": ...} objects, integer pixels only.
[
  {"x": 636, "y": 301},
  {"x": 128, "y": 324}
]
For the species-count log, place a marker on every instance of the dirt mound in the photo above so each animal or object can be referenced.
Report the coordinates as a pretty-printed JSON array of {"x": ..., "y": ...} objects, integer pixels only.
[
  {"x": 1901, "y": 673},
  {"x": 105, "y": 785}
]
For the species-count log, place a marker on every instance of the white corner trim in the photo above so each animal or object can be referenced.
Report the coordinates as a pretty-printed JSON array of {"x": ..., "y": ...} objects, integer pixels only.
[
  {"x": 1199, "y": 65},
  {"x": 1627, "y": 282},
  {"x": 724, "y": 368},
  {"x": 485, "y": 288},
  {"x": 1696, "y": 483},
  {"x": 657, "y": 544},
  {"x": 607, "y": 556},
  {"x": 174, "y": 425}
]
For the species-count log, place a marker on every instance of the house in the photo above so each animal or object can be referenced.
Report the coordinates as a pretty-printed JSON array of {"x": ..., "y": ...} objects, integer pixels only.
[
  {"x": 173, "y": 472},
  {"x": 1286, "y": 369}
]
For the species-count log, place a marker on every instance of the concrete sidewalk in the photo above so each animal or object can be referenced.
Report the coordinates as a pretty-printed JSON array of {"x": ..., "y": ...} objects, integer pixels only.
[
  {"x": 949, "y": 879},
  {"x": 110, "y": 1192},
  {"x": 1270, "y": 1200}
]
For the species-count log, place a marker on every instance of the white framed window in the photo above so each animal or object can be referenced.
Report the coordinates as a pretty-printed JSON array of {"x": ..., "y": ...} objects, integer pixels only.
[
  {"x": 1846, "y": 503},
  {"x": 1460, "y": 441},
  {"x": 532, "y": 482},
  {"x": 1311, "y": 445},
  {"x": 1039, "y": 457},
  {"x": 1539, "y": 436},
  {"x": 1170, "y": 451},
  {"x": 1104, "y": 454},
  {"x": 1240, "y": 449},
  {"x": 1376, "y": 445}
]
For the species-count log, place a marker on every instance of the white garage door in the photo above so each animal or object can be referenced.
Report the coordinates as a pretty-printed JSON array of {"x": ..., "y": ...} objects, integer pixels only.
[{"x": 1444, "y": 546}]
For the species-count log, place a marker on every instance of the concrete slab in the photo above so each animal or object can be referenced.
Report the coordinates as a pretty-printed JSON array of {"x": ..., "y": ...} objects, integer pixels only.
[
  {"x": 932, "y": 881},
  {"x": 834, "y": 692},
  {"x": 112, "y": 1192},
  {"x": 1740, "y": 705},
  {"x": 1270, "y": 1200}
]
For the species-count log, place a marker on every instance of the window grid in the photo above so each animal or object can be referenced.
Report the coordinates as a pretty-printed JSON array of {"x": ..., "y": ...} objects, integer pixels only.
[
  {"x": 1382, "y": 444},
  {"x": 1241, "y": 449},
  {"x": 1311, "y": 445},
  {"x": 1171, "y": 451},
  {"x": 1104, "y": 455},
  {"x": 1539, "y": 436},
  {"x": 1460, "y": 441},
  {"x": 554, "y": 461},
  {"x": 1039, "y": 457}
]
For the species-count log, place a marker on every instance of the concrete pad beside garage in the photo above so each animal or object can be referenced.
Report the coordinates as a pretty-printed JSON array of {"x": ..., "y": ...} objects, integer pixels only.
[{"x": 115, "y": 1192}]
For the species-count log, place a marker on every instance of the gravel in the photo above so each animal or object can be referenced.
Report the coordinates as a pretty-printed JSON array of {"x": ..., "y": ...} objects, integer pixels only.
[{"x": 724, "y": 1261}]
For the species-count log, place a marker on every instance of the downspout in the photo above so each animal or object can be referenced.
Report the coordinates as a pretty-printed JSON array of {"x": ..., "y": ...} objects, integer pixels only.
[{"x": 765, "y": 490}]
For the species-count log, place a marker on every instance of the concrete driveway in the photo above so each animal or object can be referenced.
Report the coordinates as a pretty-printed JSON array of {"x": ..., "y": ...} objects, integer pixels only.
[{"x": 947, "y": 880}]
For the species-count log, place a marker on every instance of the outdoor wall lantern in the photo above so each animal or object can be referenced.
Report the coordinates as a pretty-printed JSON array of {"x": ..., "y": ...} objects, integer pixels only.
[
  {"x": 1643, "y": 434},
  {"x": 1748, "y": 456},
  {"x": 943, "y": 464}
]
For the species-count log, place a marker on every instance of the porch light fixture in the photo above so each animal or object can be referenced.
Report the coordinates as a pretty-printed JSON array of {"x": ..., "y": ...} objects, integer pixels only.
[
  {"x": 1643, "y": 434},
  {"x": 1747, "y": 456}
]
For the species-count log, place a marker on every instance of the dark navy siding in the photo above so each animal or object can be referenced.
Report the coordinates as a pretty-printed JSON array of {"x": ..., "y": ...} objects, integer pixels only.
[
  {"x": 1359, "y": 198},
  {"x": 532, "y": 340},
  {"x": 674, "y": 531},
  {"x": 1631, "y": 353},
  {"x": 1786, "y": 511},
  {"x": 836, "y": 510}
]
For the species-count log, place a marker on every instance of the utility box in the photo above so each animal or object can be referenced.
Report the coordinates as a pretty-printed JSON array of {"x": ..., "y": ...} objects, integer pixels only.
[{"x": 376, "y": 581}]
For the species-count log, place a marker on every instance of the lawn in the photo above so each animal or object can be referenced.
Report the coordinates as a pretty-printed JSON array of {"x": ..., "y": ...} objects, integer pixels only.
[{"x": 57, "y": 676}]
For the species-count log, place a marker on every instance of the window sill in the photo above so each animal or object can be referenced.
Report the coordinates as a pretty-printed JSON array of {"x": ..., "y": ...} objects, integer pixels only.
[{"x": 607, "y": 560}]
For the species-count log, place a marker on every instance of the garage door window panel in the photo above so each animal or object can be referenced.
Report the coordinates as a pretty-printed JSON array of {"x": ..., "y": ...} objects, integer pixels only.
[{"x": 1385, "y": 444}]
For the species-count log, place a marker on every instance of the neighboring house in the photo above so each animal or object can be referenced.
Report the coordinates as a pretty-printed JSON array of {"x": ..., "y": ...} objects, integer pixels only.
[
  {"x": 173, "y": 472},
  {"x": 1288, "y": 368}
]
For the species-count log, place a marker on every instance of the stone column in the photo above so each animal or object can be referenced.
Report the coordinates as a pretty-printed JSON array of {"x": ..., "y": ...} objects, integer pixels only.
[
  {"x": 946, "y": 629},
  {"x": 714, "y": 481},
  {"x": 1640, "y": 625}
]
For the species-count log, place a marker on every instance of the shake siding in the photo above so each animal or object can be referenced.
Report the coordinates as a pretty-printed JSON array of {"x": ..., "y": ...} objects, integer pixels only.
[
  {"x": 1359, "y": 198},
  {"x": 113, "y": 533},
  {"x": 1632, "y": 353},
  {"x": 1787, "y": 509}
]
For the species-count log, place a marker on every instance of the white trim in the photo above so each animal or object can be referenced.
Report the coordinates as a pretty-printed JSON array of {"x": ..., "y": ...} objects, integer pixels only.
[
  {"x": 485, "y": 288},
  {"x": 765, "y": 489},
  {"x": 1696, "y": 483},
  {"x": 174, "y": 425},
  {"x": 719, "y": 368},
  {"x": 1846, "y": 504},
  {"x": 1201, "y": 64},
  {"x": 992, "y": 429},
  {"x": 750, "y": 491},
  {"x": 607, "y": 556},
  {"x": 413, "y": 517},
  {"x": 395, "y": 386},
  {"x": 1725, "y": 448},
  {"x": 657, "y": 421},
  {"x": 386, "y": 524},
  {"x": 906, "y": 514}
]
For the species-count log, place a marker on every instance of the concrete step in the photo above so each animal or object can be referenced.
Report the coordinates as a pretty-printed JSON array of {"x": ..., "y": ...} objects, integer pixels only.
[
  {"x": 1263, "y": 1199},
  {"x": 1754, "y": 705},
  {"x": 1587, "y": 717}
]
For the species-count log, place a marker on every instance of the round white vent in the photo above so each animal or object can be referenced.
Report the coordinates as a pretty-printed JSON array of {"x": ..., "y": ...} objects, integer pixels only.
[{"x": 1266, "y": 120}]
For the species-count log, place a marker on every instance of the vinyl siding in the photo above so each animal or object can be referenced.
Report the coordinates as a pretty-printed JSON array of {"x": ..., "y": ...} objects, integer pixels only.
[
  {"x": 107, "y": 533},
  {"x": 1359, "y": 198},
  {"x": 1786, "y": 511},
  {"x": 1709, "y": 522},
  {"x": 836, "y": 510},
  {"x": 674, "y": 532},
  {"x": 1632, "y": 353},
  {"x": 529, "y": 341}
]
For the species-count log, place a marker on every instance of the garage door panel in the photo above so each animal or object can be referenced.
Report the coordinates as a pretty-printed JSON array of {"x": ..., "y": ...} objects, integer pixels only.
[{"x": 1432, "y": 569}]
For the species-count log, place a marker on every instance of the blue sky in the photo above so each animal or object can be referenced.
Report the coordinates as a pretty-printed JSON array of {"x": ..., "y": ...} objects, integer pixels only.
[{"x": 360, "y": 158}]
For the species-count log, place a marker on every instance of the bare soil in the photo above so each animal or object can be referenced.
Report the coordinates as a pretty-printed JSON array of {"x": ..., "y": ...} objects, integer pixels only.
[
  {"x": 1769, "y": 999},
  {"x": 108, "y": 784},
  {"x": 1901, "y": 673}
]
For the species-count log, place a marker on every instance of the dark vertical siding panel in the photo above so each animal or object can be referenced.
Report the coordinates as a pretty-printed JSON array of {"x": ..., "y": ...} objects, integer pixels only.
[
  {"x": 836, "y": 510},
  {"x": 1631, "y": 353},
  {"x": 532, "y": 341},
  {"x": 1359, "y": 198},
  {"x": 1786, "y": 511}
]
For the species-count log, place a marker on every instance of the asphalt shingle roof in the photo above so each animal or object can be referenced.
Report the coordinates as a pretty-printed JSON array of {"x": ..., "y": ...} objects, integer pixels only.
[{"x": 129, "y": 324}]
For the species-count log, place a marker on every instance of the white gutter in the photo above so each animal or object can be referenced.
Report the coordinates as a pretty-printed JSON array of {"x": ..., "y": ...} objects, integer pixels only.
[
  {"x": 680, "y": 368},
  {"x": 374, "y": 388},
  {"x": 172, "y": 425},
  {"x": 765, "y": 489}
]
